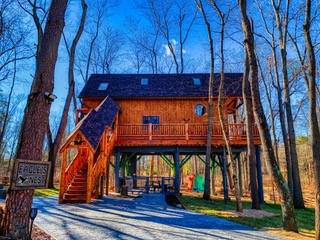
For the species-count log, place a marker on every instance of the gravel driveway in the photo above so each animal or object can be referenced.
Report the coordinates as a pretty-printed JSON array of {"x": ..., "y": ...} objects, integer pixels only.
[{"x": 148, "y": 217}]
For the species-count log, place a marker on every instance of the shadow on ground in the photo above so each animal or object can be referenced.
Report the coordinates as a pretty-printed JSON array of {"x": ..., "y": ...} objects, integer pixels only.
[{"x": 148, "y": 217}]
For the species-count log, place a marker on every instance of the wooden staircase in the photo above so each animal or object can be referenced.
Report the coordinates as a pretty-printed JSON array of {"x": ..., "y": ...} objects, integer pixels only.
[
  {"x": 79, "y": 180},
  {"x": 77, "y": 190}
]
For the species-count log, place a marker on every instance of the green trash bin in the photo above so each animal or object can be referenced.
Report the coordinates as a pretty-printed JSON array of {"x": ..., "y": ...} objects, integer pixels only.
[{"x": 198, "y": 184}]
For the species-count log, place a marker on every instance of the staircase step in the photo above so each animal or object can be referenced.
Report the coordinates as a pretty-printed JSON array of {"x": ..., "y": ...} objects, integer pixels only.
[
  {"x": 74, "y": 191},
  {"x": 73, "y": 201},
  {"x": 77, "y": 180},
  {"x": 79, "y": 184},
  {"x": 78, "y": 188},
  {"x": 74, "y": 196}
]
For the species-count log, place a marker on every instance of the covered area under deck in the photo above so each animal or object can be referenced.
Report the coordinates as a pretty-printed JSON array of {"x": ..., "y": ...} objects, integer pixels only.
[{"x": 177, "y": 157}]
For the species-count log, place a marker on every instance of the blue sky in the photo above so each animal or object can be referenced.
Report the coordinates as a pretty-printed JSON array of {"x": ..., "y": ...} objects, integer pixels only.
[{"x": 118, "y": 19}]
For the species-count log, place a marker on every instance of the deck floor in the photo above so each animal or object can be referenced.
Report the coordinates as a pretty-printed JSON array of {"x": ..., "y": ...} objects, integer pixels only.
[{"x": 148, "y": 217}]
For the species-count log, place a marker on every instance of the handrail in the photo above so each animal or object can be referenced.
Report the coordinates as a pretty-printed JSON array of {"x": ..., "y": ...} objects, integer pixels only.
[
  {"x": 186, "y": 130},
  {"x": 68, "y": 172},
  {"x": 100, "y": 164}
]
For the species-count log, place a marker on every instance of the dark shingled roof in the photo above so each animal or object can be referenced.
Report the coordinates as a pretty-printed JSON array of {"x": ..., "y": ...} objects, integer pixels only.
[
  {"x": 97, "y": 120},
  {"x": 160, "y": 85}
]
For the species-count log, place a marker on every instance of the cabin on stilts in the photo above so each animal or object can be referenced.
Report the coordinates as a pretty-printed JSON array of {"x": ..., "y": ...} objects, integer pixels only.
[{"x": 129, "y": 115}]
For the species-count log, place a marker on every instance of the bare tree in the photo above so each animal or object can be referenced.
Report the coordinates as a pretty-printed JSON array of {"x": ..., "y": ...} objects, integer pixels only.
[
  {"x": 106, "y": 55},
  {"x": 54, "y": 144},
  {"x": 35, "y": 120},
  {"x": 282, "y": 27},
  {"x": 249, "y": 118},
  {"x": 174, "y": 21},
  {"x": 146, "y": 43},
  {"x": 313, "y": 118},
  {"x": 288, "y": 216},
  {"x": 223, "y": 18},
  {"x": 206, "y": 193}
]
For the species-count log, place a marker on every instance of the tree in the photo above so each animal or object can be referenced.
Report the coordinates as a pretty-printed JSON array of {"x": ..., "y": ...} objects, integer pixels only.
[
  {"x": 282, "y": 26},
  {"x": 35, "y": 120},
  {"x": 288, "y": 216},
  {"x": 146, "y": 46},
  {"x": 206, "y": 193},
  {"x": 173, "y": 20},
  {"x": 108, "y": 53},
  {"x": 54, "y": 145},
  {"x": 249, "y": 118},
  {"x": 313, "y": 118},
  {"x": 223, "y": 18}
]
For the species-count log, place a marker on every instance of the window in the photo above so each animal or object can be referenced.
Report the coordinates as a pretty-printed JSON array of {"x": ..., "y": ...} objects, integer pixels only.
[
  {"x": 151, "y": 119},
  {"x": 196, "y": 81},
  {"x": 199, "y": 110},
  {"x": 144, "y": 81},
  {"x": 103, "y": 86}
]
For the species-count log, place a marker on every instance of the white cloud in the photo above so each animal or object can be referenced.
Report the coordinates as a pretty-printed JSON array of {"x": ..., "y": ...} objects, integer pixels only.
[{"x": 174, "y": 43}]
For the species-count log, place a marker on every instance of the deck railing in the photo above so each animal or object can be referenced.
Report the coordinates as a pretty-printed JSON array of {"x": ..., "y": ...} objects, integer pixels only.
[{"x": 187, "y": 131}]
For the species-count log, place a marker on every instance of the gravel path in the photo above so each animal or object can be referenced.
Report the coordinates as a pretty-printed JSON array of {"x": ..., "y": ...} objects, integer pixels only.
[{"x": 148, "y": 217}]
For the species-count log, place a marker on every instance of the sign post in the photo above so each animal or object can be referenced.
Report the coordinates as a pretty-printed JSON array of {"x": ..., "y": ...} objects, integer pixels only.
[{"x": 30, "y": 174}]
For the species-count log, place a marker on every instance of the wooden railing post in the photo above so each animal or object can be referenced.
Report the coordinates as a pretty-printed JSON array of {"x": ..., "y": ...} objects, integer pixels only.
[
  {"x": 62, "y": 175},
  {"x": 187, "y": 131},
  {"x": 89, "y": 177},
  {"x": 150, "y": 131}
]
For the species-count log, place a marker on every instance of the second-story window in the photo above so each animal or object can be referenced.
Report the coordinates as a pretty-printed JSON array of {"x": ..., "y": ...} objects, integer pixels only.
[
  {"x": 151, "y": 119},
  {"x": 199, "y": 110}
]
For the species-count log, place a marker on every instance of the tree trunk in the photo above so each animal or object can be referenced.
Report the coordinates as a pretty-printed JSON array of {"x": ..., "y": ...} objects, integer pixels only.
[
  {"x": 35, "y": 120},
  {"x": 55, "y": 145},
  {"x": 293, "y": 168},
  {"x": 206, "y": 193},
  {"x": 288, "y": 216},
  {"x": 313, "y": 121},
  {"x": 222, "y": 121},
  {"x": 251, "y": 156}
]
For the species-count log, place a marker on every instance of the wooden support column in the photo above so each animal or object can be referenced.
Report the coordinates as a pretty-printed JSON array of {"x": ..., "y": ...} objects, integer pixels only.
[
  {"x": 101, "y": 186},
  {"x": 177, "y": 171},
  {"x": 259, "y": 175},
  {"x": 62, "y": 175},
  {"x": 117, "y": 171},
  {"x": 239, "y": 168},
  {"x": 89, "y": 177},
  {"x": 133, "y": 169},
  {"x": 107, "y": 176},
  {"x": 223, "y": 164},
  {"x": 213, "y": 175}
]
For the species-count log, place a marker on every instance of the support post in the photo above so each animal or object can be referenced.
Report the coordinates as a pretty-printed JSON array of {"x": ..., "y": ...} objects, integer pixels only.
[
  {"x": 213, "y": 175},
  {"x": 147, "y": 184},
  {"x": 162, "y": 185},
  {"x": 107, "y": 176},
  {"x": 150, "y": 131},
  {"x": 187, "y": 131},
  {"x": 62, "y": 175},
  {"x": 177, "y": 171},
  {"x": 259, "y": 175},
  {"x": 239, "y": 167},
  {"x": 101, "y": 186},
  {"x": 117, "y": 171},
  {"x": 89, "y": 177},
  {"x": 132, "y": 165},
  {"x": 223, "y": 164}
]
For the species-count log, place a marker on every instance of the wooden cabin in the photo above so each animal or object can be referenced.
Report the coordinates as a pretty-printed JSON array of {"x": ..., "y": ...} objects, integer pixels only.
[{"x": 131, "y": 114}]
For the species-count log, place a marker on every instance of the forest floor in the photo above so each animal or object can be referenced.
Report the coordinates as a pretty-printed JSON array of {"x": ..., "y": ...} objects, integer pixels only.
[{"x": 268, "y": 218}]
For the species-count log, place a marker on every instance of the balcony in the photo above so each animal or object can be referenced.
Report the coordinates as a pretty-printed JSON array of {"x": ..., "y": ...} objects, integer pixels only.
[{"x": 180, "y": 134}]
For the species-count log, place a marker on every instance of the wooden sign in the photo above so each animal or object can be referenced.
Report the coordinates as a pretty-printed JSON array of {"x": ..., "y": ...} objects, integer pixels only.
[{"x": 30, "y": 174}]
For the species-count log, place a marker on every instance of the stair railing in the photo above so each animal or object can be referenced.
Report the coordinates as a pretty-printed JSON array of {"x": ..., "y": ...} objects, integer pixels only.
[
  {"x": 68, "y": 172},
  {"x": 97, "y": 169}
]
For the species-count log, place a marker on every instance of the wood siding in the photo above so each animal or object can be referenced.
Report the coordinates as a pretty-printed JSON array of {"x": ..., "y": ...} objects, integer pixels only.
[
  {"x": 179, "y": 125},
  {"x": 169, "y": 110}
]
